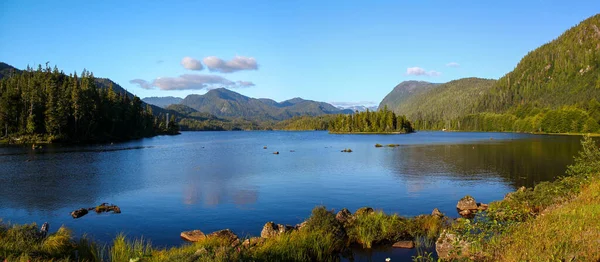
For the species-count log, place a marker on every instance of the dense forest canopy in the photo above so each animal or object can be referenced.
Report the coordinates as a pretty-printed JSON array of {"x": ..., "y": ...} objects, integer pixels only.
[{"x": 49, "y": 105}]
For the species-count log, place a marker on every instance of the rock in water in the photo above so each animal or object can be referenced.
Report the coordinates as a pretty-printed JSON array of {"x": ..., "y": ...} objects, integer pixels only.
[
  {"x": 466, "y": 203},
  {"x": 404, "y": 244},
  {"x": 193, "y": 236},
  {"x": 79, "y": 213}
]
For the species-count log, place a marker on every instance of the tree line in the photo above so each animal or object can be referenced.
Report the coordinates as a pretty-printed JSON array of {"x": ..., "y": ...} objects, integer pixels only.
[
  {"x": 46, "y": 104},
  {"x": 381, "y": 121}
]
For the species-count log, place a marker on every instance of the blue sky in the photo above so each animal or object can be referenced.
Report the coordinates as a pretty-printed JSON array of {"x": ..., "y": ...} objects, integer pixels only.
[{"x": 340, "y": 51}]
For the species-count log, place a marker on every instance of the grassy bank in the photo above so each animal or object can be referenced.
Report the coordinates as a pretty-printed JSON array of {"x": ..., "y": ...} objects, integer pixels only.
[
  {"x": 322, "y": 237},
  {"x": 554, "y": 221}
]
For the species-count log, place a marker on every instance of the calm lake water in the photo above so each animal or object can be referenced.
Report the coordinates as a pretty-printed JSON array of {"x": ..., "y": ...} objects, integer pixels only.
[{"x": 216, "y": 180}]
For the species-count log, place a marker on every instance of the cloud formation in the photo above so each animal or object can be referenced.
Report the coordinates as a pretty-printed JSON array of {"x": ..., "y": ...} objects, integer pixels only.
[
  {"x": 191, "y": 63},
  {"x": 453, "y": 64},
  {"x": 245, "y": 83},
  {"x": 141, "y": 83},
  {"x": 238, "y": 63},
  {"x": 417, "y": 71},
  {"x": 190, "y": 82}
]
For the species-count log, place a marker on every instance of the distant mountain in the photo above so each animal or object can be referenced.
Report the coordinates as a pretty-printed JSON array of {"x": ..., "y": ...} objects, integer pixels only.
[
  {"x": 163, "y": 102},
  {"x": 358, "y": 108},
  {"x": 404, "y": 91},
  {"x": 222, "y": 102}
]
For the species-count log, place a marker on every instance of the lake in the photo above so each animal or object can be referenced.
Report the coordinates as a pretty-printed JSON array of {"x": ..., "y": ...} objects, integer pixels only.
[{"x": 216, "y": 180}]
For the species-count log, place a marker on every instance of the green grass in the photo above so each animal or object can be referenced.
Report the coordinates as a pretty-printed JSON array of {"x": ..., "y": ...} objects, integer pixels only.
[
  {"x": 554, "y": 221},
  {"x": 570, "y": 232}
]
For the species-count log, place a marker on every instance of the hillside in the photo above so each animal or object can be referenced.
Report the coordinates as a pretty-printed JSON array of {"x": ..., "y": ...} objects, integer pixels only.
[
  {"x": 162, "y": 101},
  {"x": 437, "y": 107},
  {"x": 565, "y": 71},
  {"x": 404, "y": 91},
  {"x": 553, "y": 89},
  {"x": 222, "y": 102},
  {"x": 6, "y": 69}
]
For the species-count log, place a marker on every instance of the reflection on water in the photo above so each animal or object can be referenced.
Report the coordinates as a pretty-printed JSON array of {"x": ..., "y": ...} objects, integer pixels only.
[
  {"x": 216, "y": 180},
  {"x": 520, "y": 162}
]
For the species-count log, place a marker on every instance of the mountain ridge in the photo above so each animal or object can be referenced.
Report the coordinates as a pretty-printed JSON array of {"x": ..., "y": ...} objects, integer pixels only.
[{"x": 223, "y": 102}]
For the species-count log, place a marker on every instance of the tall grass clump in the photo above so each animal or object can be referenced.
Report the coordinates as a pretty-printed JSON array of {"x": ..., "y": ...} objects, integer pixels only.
[
  {"x": 368, "y": 228},
  {"x": 25, "y": 243},
  {"x": 124, "y": 250}
]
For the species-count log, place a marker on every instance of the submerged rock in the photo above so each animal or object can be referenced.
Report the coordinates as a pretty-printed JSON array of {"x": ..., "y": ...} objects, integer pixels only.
[
  {"x": 347, "y": 150},
  {"x": 105, "y": 207},
  {"x": 193, "y": 236},
  {"x": 404, "y": 244},
  {"x": 79, "y": 213}
]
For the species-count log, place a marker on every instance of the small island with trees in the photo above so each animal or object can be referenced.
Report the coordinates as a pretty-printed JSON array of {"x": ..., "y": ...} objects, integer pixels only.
[{"x": 382, "y": 121}]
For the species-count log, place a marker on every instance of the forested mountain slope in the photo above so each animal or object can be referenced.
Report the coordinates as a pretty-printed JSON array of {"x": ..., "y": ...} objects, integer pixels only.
[
  {"x": 437, "y": 107},
  {"x": 404, "y": 91},
  {"x": 553, "y": 89}
]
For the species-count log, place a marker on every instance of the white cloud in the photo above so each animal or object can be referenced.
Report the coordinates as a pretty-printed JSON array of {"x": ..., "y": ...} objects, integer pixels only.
[
  {"x": 238, "y": 63},
  {"x": 190, "y": 82},
  {"x": 417, "y": 71},
  {"x": 453, "y": 64},
  {"x": 142, "y": 83},
  {"x": 191, "y": 63},
  {"x": 245, "y": 83}
]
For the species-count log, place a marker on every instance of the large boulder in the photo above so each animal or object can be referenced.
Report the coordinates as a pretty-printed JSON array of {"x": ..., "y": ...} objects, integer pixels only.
[
  {"x": 193, "y": 236},
  {"x": 344, "y": 216},
  {"x": 449, "y": 246},
  {"x": 466, "y": 203}
]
